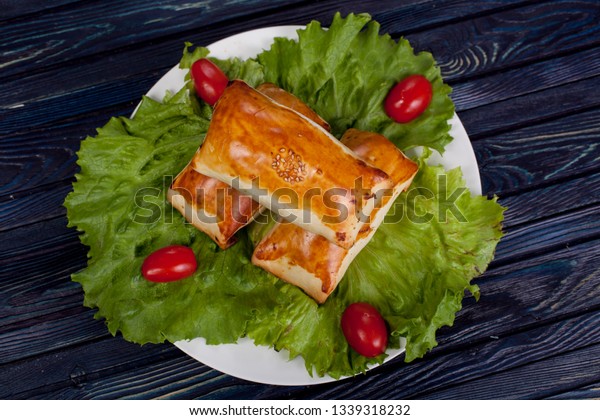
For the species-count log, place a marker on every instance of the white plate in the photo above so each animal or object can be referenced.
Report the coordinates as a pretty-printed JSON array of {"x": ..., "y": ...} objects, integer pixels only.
[{"x": 244, "y": 359}]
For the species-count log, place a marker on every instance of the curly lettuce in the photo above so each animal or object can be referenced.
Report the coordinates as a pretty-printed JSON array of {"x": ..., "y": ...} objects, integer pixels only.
[{"x": 416, "y": 269}]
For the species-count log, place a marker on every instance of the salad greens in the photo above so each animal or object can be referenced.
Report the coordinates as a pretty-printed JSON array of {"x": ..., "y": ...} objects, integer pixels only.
[{"x": 415, "y": 270}]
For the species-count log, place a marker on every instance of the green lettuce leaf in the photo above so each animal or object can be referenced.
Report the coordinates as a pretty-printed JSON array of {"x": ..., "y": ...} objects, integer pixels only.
[
  {"x": 415, "y": 270},
  {"x": 344, "y": 73}
]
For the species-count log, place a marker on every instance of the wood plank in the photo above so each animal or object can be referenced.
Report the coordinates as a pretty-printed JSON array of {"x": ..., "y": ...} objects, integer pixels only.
[
  {"x": 512, "y": 38},
  {"x": 559, "y": 284},
  {"x": 95, "y": 28},
  {"x": 535, "y": 108},
  {"x": 529, "y": 292},
  {"x": 71, "y": 367},
  {"x": 562, "y": 230},
  {"x": 116, "y": 369},
  {"x": 77, "y": 102},
  {"x": 44, "y": 255},
  {"x": 33, "y": 206},
  {"x": 17, "y": 8},
  {"x": 45, "y": 262},
  {"x": 454, "y": 372},
  {"x": 539, "y": 155},
  {"x": 428, "y": 15},
  {"x": 552, "y": 200},
  {"x": 45, "y": 155},
  {"x": 48, "y": 95},
  {"x": 536, "y": 380},
  {"x": 588, "y": 392},
  {"x": 558, "y": 73},
  {"x": 532, "y": 158},
  {"x": 54, "y": 33},
  {"x": 43, "y": 333}
]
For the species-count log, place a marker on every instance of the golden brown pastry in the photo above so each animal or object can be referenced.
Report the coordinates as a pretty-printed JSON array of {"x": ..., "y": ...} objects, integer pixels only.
[
  {"x": 313, "y": 263},
  {"x": 289, "y": 164},
  {"x": 213, "y": 206},
  {"x": 287, "y": 99}
]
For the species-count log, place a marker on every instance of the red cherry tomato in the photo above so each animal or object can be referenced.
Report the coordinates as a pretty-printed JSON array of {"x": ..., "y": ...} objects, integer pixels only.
[
  {"x": 170, "y": 263},
  {"x": 408, "y": 98},
  {"x": 209, "y": 80},
  {"x": 364, "y": 329}
]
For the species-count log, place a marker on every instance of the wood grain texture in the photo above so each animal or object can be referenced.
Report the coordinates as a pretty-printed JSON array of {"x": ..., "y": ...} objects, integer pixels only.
[
  {"x": 558, "y": 284},
  {"x": 543, "y": 289},
  {"x": 561, "y": 230},
  {"x": 587, "y": 392},
  {"x": 528, "y": 158},
  {"x": 455, "y": 371},
  {"x": 95, "y": 370},
  {"x": 525, "y": 75},
  {"x": 93, "y": 28},
  {"x": 547, "y": 105},
  {"x": 540, "y": 154},
  {"x": 18, "y": 9},
  {"x": 552, "y": 200},
  {"x": 535, "y": 380},
  {"x": 124, "y": 75},
  {"x": 46, "y": 155},
  {"x": 531, "y": 78},
  {"x": 33, "y": 206},
  {"x": 53, "y": 41},
  {"x": 513, "y": 38}
]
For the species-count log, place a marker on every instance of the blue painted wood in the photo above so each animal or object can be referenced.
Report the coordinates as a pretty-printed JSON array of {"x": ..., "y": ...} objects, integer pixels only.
[
  {"x": 123, "y": 75},
  {"x": 88, "y": 28},
  {"x": 539, "y": 154},
  {"x": 524, "y": 74},
  {"x": 93, "y": 370},
  {"x": 19, "y": 9},
  {"x": 516, "y": 37}
]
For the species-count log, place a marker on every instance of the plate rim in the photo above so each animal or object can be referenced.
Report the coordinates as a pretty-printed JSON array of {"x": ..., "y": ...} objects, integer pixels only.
[{"x": 197, "y": 347}]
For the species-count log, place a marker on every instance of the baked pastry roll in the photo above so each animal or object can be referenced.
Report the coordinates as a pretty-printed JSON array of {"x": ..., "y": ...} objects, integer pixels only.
[
  {"x": 310, "y": 261},
  {"x": 213, "y": 206},
  {"x": 287, "y": 99},
  {"x": 289, "y": 164}
]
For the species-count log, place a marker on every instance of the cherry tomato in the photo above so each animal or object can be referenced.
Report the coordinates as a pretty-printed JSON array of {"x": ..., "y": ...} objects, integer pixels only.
[
  {"x": 364, "y": 329},
  {"x": 408, "y": 98},
  {"x": 171, "y": 263},
  {"x": 209, "y": 80}
]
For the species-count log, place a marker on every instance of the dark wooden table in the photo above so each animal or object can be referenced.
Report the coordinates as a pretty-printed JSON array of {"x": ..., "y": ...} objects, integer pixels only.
[{"x": 526, "y": 78}]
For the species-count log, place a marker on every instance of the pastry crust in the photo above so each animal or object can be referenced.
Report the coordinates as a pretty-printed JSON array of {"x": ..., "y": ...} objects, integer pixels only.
[
  {"x": 213, "y": 206},
  {"x": 290, "y": 165},
  {"x": 313, "y": 263}
]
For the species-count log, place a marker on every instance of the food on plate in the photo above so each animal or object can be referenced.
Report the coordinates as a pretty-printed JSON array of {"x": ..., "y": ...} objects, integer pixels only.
[
  {"x": 171, "y": 263},
  {"x": 287, "y": 99},
  {"x": 213, "y": 206},
  {"x": 364, "y": 329},
  {"x": 408, "y": 98},
  {"x": 310, "y": 261},
  {"x": 414, "y": 272},
  {"x": 209, "y": 80},
  {"x": 289, "y": 164}
]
